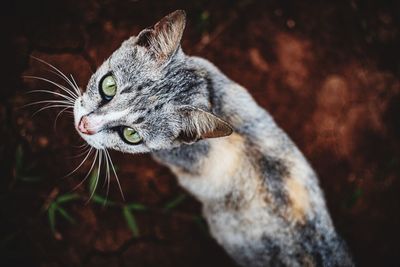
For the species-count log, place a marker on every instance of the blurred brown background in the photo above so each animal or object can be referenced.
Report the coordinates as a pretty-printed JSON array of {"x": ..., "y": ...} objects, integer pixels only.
[{"x": 328, "y": 71}]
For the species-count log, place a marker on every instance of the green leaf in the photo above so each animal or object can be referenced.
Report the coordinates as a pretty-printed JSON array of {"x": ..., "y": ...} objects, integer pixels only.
[
  {"x": 103, "y": 201},
  {"x": 19, "y": 154},
  {"x": 354, "y": 198},
  {"x": 174, "y": 203},
  {"x": 94, "y": 177},
  {"x": 201, "y": 223},
  {"x": 204, "y": 16},
  {"x": 52, "y": 217},
  {"x": 67, "y": 198},
  {"x": 65, "y": 214},
  {"x": 130, "y": 220},
  {"x": 136, "y": 206},
  {"x": 30, "y": 179}
]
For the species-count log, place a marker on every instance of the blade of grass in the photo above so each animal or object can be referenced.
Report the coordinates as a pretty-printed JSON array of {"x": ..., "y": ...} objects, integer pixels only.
[
  {"x": 201, "y": 223},
  {"x": 30, "y": 179},
  {"x": 103, "y": 201},
  {"x": 130, "y": 220},
  {"x": 174, "y": 203},
  {"x": 67, "y": 198},
  {"x": 52, "y": 217},
  {"x": 92, "y": 179},
  {"x": 136, "y": 206},
  {"x": 65, "y": 214},
  {"x": 19, "y": 160}
]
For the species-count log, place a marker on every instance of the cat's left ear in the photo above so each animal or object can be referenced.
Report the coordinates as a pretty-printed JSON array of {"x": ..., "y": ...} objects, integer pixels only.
[
  {"x": 199, "y": 124},
  {"x": 164, "y": 38}
]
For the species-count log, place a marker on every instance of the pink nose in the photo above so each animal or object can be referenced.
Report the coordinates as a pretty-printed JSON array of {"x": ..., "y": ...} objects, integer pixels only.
[{"x": 84, "y": 126}]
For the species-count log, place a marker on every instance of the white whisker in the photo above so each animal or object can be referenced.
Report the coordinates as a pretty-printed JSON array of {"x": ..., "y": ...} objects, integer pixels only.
[
  {"x": 64, "y": 78},
  {"x": 58, "y": 115},
  {"x": 53, "y": 93},
  {"x": 50, "y": 102},
  {"x": 77, "y": 89},
  {"x": 62, "y": 87},
  {"x": 90, "y": 170},
  {"x": 51, "y": 106},
  {"x": 84, "y": 144},
  {"x": 98, "y": 175},
  {"x": 83, "y": 161},
  {"x": 84, "y": 151},
  {"x": 115, "y": 174},
  {"x": 107, "y": 174},
  {"x": 60, "y": 73}
]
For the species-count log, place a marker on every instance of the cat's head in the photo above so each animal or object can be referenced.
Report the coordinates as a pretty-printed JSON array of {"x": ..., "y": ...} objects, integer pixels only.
[{"x": 146, "y": 97}]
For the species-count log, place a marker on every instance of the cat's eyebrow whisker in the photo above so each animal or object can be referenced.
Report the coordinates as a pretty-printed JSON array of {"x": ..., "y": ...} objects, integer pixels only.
[
  {"x": 76, "y": 87},
  {"x": 58, "y": 72},
  {"x": 62, "y": 87},
  {"x": 115, "y": 174},
  {"x": 90, "y": 170},
  {"x": 53, "y": 93},
  {"x": 65, "y": 78}
]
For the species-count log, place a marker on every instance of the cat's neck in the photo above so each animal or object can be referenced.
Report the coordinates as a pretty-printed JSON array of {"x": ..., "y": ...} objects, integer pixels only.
[{"x": 232, "y": 103}]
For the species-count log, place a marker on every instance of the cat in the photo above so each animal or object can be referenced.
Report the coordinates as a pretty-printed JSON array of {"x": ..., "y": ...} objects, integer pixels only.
[{"x": 260, "y": 197}]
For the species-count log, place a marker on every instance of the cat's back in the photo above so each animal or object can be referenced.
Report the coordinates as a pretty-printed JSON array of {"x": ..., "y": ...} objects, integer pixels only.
[{"x": 260, "y": 196}]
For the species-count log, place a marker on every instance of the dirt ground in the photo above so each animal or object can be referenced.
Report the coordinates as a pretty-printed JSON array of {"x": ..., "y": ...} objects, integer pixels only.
[{"x": 327, "y": 71}]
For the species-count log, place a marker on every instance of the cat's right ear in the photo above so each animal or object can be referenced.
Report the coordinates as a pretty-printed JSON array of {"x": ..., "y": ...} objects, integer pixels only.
[
  {"x": 200, "y": 124},
  {"x": 164, "y": 38}
]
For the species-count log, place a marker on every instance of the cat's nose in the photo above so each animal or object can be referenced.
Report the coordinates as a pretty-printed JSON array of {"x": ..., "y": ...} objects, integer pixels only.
[{"x": 85, "y": 126}]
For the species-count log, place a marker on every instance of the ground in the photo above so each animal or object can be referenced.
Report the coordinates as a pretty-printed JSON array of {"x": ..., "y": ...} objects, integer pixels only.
[{"x": 327, "y": 71}]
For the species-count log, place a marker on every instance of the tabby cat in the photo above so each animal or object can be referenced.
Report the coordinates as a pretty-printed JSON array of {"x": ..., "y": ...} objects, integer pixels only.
[{"x": 260, "y": 197}]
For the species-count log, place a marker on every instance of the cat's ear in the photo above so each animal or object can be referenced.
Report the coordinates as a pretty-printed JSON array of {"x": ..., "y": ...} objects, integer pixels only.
[
  {"x": 199, "y": 124},
  {"x": 164, "y": 38}
]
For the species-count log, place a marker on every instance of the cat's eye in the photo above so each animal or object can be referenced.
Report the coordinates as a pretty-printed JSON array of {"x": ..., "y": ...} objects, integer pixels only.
[
  {"x": 108, "y": 87},
  {"x": 130, "y": 135}
]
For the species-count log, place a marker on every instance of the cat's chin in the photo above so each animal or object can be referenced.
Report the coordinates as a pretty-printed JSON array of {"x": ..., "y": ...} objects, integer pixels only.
[
  {"x": 93, "y": 144},
  {"x": 92, "y": 140}
]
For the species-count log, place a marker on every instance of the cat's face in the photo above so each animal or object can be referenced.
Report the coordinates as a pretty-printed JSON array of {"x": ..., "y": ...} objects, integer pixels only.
[{"x": 143, "y": 98}]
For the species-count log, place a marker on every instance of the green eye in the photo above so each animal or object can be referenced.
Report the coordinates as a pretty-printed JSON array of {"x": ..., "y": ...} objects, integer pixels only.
[
  {"x": 108, "y": 87},
  {"x": 130, "y": 135}
]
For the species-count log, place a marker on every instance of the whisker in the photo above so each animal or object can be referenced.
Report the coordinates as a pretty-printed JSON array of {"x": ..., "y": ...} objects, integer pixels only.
[
  {"x": 83, "y": 161},
  {"x": 64, "y": 78},
  {"x": 90, "y": 170},
  {"x": 51, "y": 106},
  {"x": 58, "y": 115},
  {"x": 84, "y": 151},
  {"x": 107, "y": 175},
  {"x": 98, "y": 175},
  {"x": 82, "y": 145},
  {"x": 77, "y": 89},
  {"x": 51, "y": 102},
  {"x": 62, "y": 87},
  {"x": 115, "y": 174},
  {"x": 61, "y": 74},
  {"x": 53, "y": 93},
  {"x": 106, "y": 163}
]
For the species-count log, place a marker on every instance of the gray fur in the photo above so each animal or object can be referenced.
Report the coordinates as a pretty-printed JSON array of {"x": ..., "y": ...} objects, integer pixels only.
[{"x": 260, "y": 197}]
